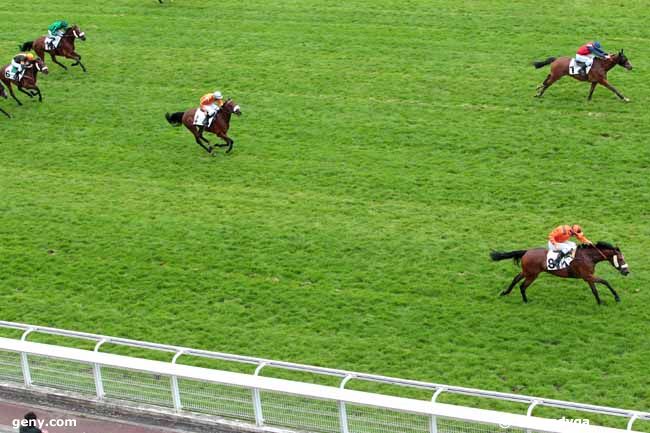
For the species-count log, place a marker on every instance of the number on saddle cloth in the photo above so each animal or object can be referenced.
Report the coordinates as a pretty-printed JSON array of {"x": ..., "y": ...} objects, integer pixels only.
[{"x": 557, "y": 260}]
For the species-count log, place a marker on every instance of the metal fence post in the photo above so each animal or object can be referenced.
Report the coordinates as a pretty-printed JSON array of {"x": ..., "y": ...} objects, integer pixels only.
[
  {"x": 257, "y": 400},
  {"x": 433, "y": 421},
  {"x": 97, "y": 373},
  {"x": 343, "y": 413},
  {"x": 631, "y": 421},
  {"x": 24, "y": 362},
  {"x": 176, "y": 394},
  {"x": 529, "y": 412}
]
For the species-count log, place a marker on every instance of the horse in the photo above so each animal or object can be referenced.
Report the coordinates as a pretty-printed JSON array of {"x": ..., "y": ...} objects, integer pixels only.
[
  {"x": 533, "y": 262},
  {"x": 219, "y": 125},
  {"x": 597, "y": 74},
  {"x": 28, "y": 81},
  {"x": 3, "y": 94},
  {"x": 65, "y": 48}
]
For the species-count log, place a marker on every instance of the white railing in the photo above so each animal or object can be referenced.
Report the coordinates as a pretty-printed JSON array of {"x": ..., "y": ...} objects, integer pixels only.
[{"x": 261, "y": 400}]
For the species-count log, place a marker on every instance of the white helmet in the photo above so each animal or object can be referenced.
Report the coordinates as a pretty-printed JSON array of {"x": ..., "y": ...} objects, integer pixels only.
[{"x": 217, "y": 95}]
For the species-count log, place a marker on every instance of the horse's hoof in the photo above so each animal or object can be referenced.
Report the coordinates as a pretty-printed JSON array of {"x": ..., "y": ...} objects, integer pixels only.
[
  {"x": 626, "y": 99},
  {"x": 618, "y": 299},
  {"x": 502, "y": 294}
]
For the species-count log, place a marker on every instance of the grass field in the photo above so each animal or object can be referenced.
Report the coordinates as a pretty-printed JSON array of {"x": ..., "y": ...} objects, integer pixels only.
[{"x": 385, "y": 148}]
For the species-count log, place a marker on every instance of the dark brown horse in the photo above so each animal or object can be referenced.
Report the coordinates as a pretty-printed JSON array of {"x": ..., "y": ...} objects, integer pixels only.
[
  {"x": 28, "y": 81},
  {"x": 533, "y": 262},
  {"x": 219, "y": 125},
  {"x": 65, "y": 48},
  {"x": 597, "y": 73},
  {"x": 3, "y": 95}
]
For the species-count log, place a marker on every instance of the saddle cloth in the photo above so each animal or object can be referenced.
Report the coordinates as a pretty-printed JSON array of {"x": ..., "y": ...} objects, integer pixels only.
[
  {"x": 49, "y": 43},
  {"x": 551, "y": 256},
  {"x": 199, "y": 117},
  {"x": 574, "y": 68}
]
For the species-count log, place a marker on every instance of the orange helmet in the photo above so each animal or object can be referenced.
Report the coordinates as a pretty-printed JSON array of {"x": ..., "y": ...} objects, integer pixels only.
[
  {"x": 30, "y": 57},
  {"x": 576, "y": 229}
]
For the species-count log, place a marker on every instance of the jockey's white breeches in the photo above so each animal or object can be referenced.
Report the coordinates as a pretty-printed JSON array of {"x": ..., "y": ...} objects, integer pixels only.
[
  {"x": 203, "y": 112},
  {"x": 588, "y": 59},
  {"x": 565, "y": 247},
  {"x": 55, "y": 37}
]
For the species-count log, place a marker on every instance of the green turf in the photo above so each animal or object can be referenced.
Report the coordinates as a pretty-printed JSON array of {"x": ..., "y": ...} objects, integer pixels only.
[{"x": 385, "y": 147}]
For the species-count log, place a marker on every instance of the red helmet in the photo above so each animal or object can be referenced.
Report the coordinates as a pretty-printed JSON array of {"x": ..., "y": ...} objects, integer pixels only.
[{"x": 575, "y": 229}]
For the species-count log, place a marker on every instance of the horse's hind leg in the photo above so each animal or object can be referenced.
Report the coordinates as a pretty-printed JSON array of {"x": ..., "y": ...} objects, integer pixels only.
[
  {"x": 550, "y": 79},
  {"x": 13, "y": 95},
  {"x": 514, "y": 282},
  {"x": 5, "y": 113},
  {"x": 529, "y": 280},
  {"x": 611, "y": 289}
]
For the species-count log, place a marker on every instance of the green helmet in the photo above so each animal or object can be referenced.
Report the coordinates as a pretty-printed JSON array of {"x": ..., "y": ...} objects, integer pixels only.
[{"x": 64, "y": 23}]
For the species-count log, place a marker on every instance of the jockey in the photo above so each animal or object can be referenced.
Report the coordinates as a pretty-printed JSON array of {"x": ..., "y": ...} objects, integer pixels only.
[
  {"x": 558, "y": 240},
  {"x": 586, "y": 53},
  {"x": 210, "y": 105},
  {"x": 19, "y": 64},
  {"x": 55, "y": 32}
]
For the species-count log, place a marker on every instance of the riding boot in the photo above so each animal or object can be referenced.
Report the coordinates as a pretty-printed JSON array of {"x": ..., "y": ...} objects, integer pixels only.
[{"x": 560, "y": 257}]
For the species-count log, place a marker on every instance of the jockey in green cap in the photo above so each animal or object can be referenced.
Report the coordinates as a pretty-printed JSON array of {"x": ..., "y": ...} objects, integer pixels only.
[{"x": 55, "y": 31}]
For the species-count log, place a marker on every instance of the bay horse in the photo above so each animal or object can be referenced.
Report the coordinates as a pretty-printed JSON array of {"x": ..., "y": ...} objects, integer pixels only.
[
  {"x": 3, "y": 94},
  {"x": 65, "y": 48},
  {"x": 28, "y": 81},
  {"x": 533, "y": 262},
  {"x": 219, "y": 126},
  {"x": 597, "y": 74}
]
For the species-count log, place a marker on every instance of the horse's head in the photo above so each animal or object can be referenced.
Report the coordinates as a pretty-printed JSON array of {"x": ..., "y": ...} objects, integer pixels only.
[
  {"x": 231, "y": 107},
  {"x": 614, "y": 256},
  {"x": 40, "y": 66},
  {"x": 622, "y": 60},
  {"x": 76, "y": 32}
]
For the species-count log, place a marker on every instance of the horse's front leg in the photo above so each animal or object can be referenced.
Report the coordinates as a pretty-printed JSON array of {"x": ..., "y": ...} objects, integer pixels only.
[
  {"x": 228, "y": 140},
  {"x": 591, "y": 91},
  {"x": 77, "y": 57},
  {"x": 38, "y": 92},
  {"x": 57, "y": 62},
  {"x": 611, "y": 289},
  {"x": 20, "y": 89},
  {"x": 605, "y": 83},
  {"x": 593, "y": 288}
]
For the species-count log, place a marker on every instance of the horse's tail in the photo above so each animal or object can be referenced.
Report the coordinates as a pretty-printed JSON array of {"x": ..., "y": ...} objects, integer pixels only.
[
  {"x": 543, "y": 63},
  {"x": 499, "y": 255},
  {"x": 174, "y": 118},
  {"x": 27, "y": 46}
]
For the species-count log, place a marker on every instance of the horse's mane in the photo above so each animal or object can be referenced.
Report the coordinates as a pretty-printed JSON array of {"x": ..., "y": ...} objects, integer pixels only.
[{"x": 600, "y": 245}]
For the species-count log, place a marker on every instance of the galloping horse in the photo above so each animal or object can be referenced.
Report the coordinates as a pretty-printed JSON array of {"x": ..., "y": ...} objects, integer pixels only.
[
  {"x": 27, "y": 82},
  {"x": 533, "y": 262},
  {"x": 597, "y": 74},
  {"x": 219, "y": 125},
  {"x": 65, "y": 48},
  {"x": 3, "y": 94}
]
